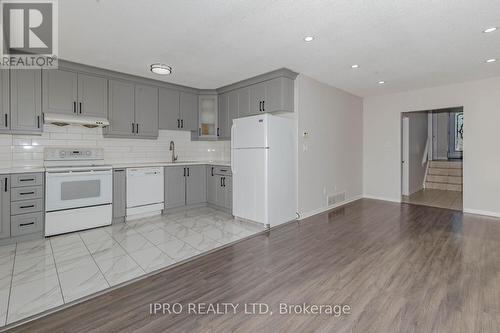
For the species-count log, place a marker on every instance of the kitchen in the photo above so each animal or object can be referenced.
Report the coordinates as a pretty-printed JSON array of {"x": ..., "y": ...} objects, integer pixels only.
[{"x": 109, "y": 177}]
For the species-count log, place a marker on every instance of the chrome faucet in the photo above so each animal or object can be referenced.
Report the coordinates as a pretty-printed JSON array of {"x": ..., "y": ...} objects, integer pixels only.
[{"x": 172, "y": 149}]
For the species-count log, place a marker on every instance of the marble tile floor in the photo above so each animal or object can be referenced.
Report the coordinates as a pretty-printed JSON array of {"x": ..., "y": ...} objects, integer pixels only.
[
  {"x": 36, "y": 276},
  {"x": 436, "y": 198}
]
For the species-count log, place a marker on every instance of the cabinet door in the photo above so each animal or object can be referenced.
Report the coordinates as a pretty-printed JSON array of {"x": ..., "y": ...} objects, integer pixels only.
[
  {"x": 4, "y": 101},
  {"x": 119, "y": 193},
  {"x": 146, "y": 111},
  {"x": 257, "y": 97},
  {"x": 169, "y": 118},
  {"x": 92, "y": 96},
  {"x": 175, "y": 187},
  {"x": 189, "y": 111},
  {"x": 196, "y": 182},
  {"x": 60, "y": 91},
  {"x": 223, "y": 115},
  {"x": 207, "y": 114},
  {"x": 228, "y": 187},
  {"x": 279, "y": 95},
  {"x": 121, "y": 109},
  {"x": 4, "y": 206},
  {"x": 244, "y": 102},
  {"x": 211, "y": 186},
  {"x": 220, "y": 195},
  {"x": 26, "y": 101},
  {"x": 232, "y": 106}
]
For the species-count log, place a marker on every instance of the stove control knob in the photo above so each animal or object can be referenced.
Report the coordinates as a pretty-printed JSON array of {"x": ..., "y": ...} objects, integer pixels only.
[
  {"x": 62, "y": 154},
  {"x": 88, "y": 153}
]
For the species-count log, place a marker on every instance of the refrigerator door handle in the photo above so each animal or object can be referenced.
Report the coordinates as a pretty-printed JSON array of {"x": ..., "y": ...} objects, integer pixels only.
[{"x": 231, "y": 151}]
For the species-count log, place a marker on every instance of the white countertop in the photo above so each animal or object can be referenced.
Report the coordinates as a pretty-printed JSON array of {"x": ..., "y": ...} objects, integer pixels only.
[
  {"x": 22, "y": 169},
  {"x": 30, "y": 169},
  {"x": 161, "y": 164}
]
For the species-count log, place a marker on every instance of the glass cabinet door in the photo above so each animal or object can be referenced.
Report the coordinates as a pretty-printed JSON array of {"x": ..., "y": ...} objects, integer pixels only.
[{"x": 208, "y": 116}]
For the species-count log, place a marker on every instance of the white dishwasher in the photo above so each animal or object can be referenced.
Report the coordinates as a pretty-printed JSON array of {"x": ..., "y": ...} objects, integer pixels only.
[{"x": 145, "y": 194}]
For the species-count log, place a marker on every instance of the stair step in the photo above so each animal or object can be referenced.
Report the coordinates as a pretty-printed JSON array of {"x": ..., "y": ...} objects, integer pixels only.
[
  {"x": 444, "y": 179},
  {"x": 444, "y": 172},
  {"x": 445, "y": 164},
  {"x": 443, "y": 186}
]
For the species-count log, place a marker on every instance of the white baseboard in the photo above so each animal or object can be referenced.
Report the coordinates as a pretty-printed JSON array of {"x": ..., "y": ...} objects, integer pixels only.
[
  {"x": 382, "y": 198},
  {"x": 325, "y": 209},
  {"x": 481, "y": 212}
]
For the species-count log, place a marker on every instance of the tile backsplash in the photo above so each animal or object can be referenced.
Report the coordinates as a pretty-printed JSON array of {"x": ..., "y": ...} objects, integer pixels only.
[{"x": 27, "y": 150}]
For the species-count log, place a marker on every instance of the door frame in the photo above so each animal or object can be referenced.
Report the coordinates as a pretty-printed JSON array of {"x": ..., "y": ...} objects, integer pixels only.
[{"x": 405, "y": 155}]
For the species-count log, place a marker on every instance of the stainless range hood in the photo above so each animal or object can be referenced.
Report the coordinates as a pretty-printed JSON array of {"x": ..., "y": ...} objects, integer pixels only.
[{"x": 69, "y": 119}]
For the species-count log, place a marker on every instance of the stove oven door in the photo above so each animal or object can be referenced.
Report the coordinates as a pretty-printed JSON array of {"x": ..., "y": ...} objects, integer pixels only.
[{"x": 77, "y": 189}]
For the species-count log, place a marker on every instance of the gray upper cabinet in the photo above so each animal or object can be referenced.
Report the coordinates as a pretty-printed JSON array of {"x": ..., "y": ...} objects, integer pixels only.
[
  {"x": 26, "y": 101},
  {"x": 175, "y": 187},
  {"x": 4, "y": 206},
  {"x": 146, "y": 111},
  {"x": 244, "y": 102},
  {"x": 223, "y": 116},
  {"x": 68, "y": 92},
  {"x": 189, "y": 111},
  {"x": 279, "y": 95},
  {"x": 257, "y": 98},
  {"x": 92, "y": 95},
  {"x": 60, "y": 91},
  {"x": 4, "y": 101},
  {"x": 169, "y": 109},
  {"x": 196, "y": 190},
  {"x": 121, "y": 109}
]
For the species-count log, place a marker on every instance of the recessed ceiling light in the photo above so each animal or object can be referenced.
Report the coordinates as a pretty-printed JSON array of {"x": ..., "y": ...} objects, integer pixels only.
[
  {"x": 491, "y": 60},
  {"x": 486, "y": 31},
  {"x": 161, "y": 69},
  {"x": 381, "y": 82},
  {"x": 355, "y": 66},
  {"x": 309, "y": 38}
]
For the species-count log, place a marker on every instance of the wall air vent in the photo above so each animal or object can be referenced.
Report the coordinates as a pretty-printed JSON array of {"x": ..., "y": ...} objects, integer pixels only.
[{"x": 336, "y": 198}]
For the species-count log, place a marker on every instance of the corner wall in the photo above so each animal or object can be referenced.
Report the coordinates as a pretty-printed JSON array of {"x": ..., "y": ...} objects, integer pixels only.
[
  {"x": 330, "y": 156},
  {"x": 382, "y": 140}
]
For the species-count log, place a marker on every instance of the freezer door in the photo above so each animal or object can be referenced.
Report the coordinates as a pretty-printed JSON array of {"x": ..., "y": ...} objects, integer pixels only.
[
  {"x": 250, "y": 184},
  {"x": 250, "y": 132}
]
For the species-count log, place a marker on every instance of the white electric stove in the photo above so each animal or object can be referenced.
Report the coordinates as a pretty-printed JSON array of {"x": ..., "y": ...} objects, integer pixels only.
[{"x": 78, "y": 190}]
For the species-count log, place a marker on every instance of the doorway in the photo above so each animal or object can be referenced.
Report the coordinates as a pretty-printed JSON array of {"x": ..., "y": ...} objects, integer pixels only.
[{"x": 431, "y": 156}]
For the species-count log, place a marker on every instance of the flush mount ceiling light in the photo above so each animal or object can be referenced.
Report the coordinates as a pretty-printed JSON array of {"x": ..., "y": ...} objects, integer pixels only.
[
  {"x": 489, "y": 61},
  {"x": 354, "y": 66},
  {"x": 161, "y": 69},
  {"x": 309, "y": 38},
  {"x": 487, "y": 31},
  {"x": 381, "y": 82}
]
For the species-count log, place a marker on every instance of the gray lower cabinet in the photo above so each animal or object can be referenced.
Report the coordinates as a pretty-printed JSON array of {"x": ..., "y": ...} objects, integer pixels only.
[
  {"x": 4, "y": 101},
  {"x": 169, "y": 108},
  {"x": 219, "y": 187},
  {"x": 4, "y": 206},
  {"x": 175, "y": 187},
  {"x": 188, "y": 111},
  {"x": 196, "y": 191},
  {"x": 119, "y": 195},
  {"x": 121, "y": 111},
  {"x": 185, "y": 185},
  {"x": 146, "y": 111},
  {"x": 26, "y": 101}
]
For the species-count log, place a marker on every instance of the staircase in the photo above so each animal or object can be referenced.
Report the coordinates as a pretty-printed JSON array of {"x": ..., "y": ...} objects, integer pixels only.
[{"x": 444, "y": 175}]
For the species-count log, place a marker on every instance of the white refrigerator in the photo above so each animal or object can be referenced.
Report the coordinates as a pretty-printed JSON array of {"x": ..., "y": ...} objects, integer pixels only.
[{"x": 263, "y": 162}]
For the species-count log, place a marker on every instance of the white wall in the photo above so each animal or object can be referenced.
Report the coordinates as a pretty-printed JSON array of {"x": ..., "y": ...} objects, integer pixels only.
[
  {"x": 382, "y": 140},
  {"x": 27, "y": 150},
  {"x": 418, "y": 139},
  {"x": 330, "y": 157}
]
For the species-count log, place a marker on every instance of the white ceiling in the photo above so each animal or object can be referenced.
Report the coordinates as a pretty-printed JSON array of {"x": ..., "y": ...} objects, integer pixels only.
[{"x": 210, "y": 43}]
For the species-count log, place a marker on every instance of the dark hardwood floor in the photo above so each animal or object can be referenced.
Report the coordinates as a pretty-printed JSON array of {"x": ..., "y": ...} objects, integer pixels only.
[{"x": 400, "y": 268}]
